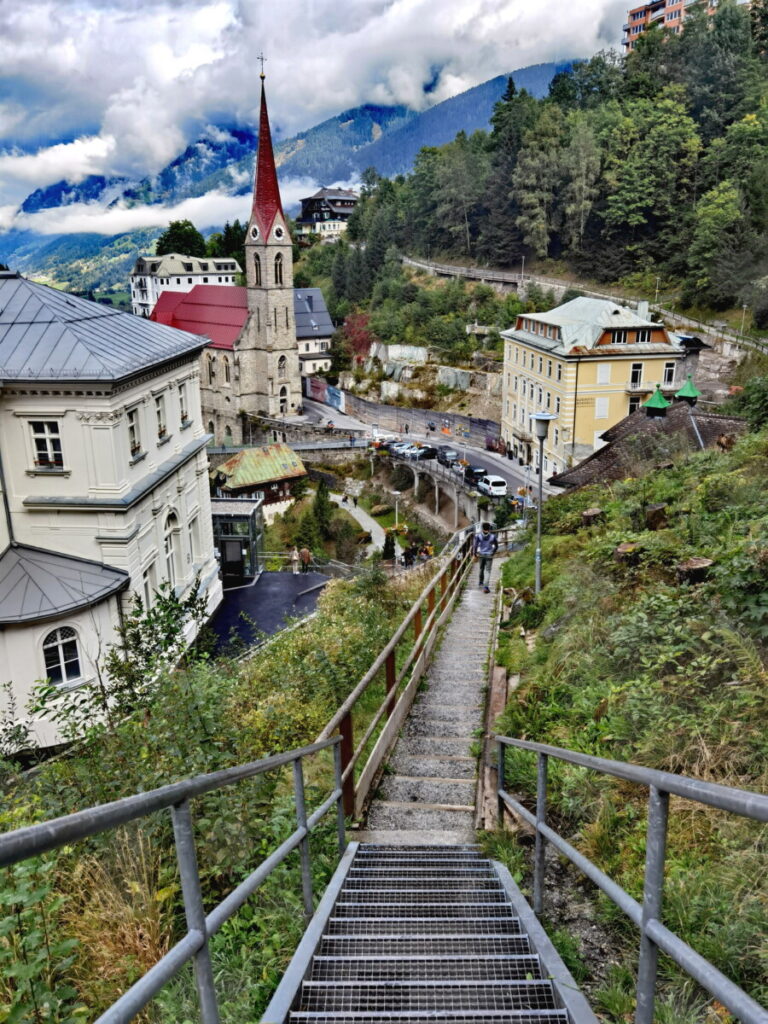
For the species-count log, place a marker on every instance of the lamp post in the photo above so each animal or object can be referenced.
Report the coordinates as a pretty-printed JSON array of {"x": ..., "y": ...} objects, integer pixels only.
[
  {"x": 656, "y": 298},
  {"x": 541, "y": 421},
  {"x": 396, "y": 496},
  {"x": 743, "y": 317}
]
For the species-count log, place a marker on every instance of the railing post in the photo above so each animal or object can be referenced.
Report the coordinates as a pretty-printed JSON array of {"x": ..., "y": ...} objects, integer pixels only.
[
  {"x": 391, "y": 679},
  {"x": 443, "y": 588},
  {"x": 653, "y": 888},
  {"x": 347, "y": 751},
  {"x": 431, "y": 601},
  {"x": 301, "y": 821},
  {"x": 418, "y": 625},
  {"x": 340, "y": 824},
  {"x": 194, "y": 910},
  {"x": 500, "y": 783},
  {"x": 541, "y": 846}
]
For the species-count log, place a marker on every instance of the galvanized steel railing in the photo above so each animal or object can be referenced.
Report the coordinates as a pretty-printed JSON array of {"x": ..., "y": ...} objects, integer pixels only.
[
  {"x": 37, "y": 839},
  {"x": 646, "y": 916}
]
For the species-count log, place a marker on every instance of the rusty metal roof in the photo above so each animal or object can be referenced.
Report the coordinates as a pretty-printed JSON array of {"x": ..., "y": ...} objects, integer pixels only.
[{"x": 253, "y": 466}]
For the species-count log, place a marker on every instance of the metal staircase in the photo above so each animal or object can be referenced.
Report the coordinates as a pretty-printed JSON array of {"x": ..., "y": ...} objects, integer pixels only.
[{"x": 409, "y": 933}]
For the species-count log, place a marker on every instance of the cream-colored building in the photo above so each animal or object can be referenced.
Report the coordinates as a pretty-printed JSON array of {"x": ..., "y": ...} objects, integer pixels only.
[
  {"x": 174, "y": 272},
  {"x": 589, "y": 363},
  {"x": 103, "y": 472}
]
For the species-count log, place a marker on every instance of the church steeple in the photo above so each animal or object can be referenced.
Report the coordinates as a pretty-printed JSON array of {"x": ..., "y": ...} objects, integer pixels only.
[
  {"x": 266, "y": 193},
  {"x": 268, "y": 353}
]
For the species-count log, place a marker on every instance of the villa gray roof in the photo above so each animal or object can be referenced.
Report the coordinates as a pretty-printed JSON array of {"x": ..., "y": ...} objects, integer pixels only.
[
  {"x": 49, "y": 335},
  {"x": 582, "y": 322},
  {"x": 36, "y": 584},
  {"x": 312, "y": 318}
]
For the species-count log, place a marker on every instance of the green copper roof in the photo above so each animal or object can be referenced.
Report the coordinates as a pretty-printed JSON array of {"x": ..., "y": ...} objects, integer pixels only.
[
  {"x": 259, "y": 466},
  {"x": 688, "y": 390},
  {"x": 657, "y": 400}
]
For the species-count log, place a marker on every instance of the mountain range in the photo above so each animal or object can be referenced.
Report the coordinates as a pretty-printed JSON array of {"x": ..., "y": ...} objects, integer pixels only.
[{"x": 221, "y": 161}]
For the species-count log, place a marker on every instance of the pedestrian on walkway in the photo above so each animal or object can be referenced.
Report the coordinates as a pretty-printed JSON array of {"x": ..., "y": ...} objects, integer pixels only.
[
  {"x": 485, "y": 547},
  {"x": 295, "y": 559},
  {"x": 306, "y": 557},
  {"x": 344, "y": 499},
  {"x": 354, "y": 500}
]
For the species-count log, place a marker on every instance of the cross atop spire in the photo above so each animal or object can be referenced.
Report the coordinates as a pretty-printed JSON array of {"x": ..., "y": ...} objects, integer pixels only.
[
  {"x": 262, "y": 59},
  {"x": 266, "y": 193}
]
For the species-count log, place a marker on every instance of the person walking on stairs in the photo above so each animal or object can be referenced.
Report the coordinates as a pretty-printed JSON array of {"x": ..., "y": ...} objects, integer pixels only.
[{"x": 485, "y": 547}]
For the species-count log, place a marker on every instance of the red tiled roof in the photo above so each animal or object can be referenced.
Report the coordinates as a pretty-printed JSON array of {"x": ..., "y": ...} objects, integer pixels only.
[
  {"x": 266, "y": 194},
  {"x": 216, "y": 311}
]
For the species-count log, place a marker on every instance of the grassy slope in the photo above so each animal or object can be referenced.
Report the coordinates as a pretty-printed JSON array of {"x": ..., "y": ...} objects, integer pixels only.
[{"x": 631, "y": 665}]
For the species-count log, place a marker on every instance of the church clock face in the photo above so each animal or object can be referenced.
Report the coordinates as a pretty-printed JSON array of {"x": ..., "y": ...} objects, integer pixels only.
[
  {"x": 279, "y": 232},
  {"x": 254, "y": 232}
]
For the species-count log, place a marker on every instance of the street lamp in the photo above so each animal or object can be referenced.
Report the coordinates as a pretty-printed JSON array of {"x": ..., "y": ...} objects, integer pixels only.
[
  {"x": 396, "y": 496},
  {"x": 743, "y": 317},
  {"x": 541, "y": 421}
]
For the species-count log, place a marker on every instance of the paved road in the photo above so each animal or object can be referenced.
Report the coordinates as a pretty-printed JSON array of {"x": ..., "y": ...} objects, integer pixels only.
[{"x": 515, "y": 474}]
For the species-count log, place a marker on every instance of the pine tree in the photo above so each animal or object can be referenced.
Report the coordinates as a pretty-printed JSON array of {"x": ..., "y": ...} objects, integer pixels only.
[{"x": 322, "y": 508}]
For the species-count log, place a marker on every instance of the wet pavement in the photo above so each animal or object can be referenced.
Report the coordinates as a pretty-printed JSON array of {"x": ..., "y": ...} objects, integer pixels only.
[{"x": 265, "y": 607}]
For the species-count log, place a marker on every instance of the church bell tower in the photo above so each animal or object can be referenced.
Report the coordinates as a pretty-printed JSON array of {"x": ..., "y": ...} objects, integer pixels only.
[{"x": 270, "y": 381}]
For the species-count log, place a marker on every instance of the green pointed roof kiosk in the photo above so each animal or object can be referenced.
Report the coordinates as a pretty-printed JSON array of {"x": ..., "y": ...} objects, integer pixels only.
[
  {"x": 657, "y": 404},
  {"x": 688, "y": 392}
]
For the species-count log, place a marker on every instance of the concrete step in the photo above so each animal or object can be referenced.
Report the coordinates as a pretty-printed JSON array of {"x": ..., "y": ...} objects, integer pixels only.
[
  {"x": 387, "y": 814},
  {"x": 459, "y": 767},
  {"x": 404, "y": 788}
]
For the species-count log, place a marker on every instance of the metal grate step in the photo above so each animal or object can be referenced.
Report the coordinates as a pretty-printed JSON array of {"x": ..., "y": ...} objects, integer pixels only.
[
  {"x": 425, "y": 968},
  {"x": 424, "y": 885},
  {"x": 441, "y": 907},
  {"x": 377, "y": 926},
  {"x": 448, "y": 1016},
  {"x": 443, "y": 873},
  {"x": 426, "y": 995},
  {"x": 425, "y": 945}
]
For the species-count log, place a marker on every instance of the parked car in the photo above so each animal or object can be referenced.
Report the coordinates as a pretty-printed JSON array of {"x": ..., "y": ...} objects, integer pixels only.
[
  {"x": 495, "y": 486},
  {"x": 447, "y": 456},
  {"x": 408, "y": 452},
  {"x": 473, "y": 474},
  {"x": 424, "y": 452},
  {"x": 398, "y": 449}
]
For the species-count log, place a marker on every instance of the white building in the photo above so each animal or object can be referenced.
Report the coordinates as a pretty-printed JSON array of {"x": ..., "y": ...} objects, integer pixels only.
[
  {"x": 153, "y": 275},
  {"x": 103, "y": 474}
]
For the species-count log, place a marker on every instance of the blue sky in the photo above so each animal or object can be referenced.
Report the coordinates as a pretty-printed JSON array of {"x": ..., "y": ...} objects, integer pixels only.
[{"x": 116, "y": 87}]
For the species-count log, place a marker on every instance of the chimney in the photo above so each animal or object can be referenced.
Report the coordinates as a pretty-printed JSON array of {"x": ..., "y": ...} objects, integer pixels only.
[{"x": 643, "y": 309}]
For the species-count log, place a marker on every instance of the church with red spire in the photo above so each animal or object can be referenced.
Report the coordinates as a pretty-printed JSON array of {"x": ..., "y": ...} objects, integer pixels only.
[{"x": 251, "y": 366}]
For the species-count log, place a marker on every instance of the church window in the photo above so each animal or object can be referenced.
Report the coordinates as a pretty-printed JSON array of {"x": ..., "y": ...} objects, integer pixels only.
[
  {"x": 282, "y": 363},
  {"x": 256, "y": 269},
  {"x": 279, "y": 269},
  {"x": 286, "y": 316},
  {"x": 227, "y": 372},
  {"x": 275, "y": 316},
  {"x": 211, "y": 369},
  {"x": 258, "y": 319}
]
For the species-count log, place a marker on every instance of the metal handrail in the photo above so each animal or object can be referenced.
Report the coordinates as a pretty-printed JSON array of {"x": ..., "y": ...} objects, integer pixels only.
[
  {"x": 654, "y": 936},
  {"x": 50, "y": 835}
]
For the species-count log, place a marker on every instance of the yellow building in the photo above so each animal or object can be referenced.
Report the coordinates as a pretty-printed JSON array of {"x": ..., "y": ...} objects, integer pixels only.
[{"x": 589, "y": 362}]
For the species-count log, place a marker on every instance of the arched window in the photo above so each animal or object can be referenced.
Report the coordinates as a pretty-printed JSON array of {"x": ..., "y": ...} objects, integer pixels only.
[
  {"x": 283, "y": 400},
  {"x": 279, "y": 268},
  {"x": 211, "y": 369},
  {"x": 282, "y": 364},
  {"x": 256, "y": 269},
  {"x": 227, "y": 373},
  {"x": 170, "y": 542},
  {"x": 228, "y": 442},
  {"x": 62, "y": 658}
]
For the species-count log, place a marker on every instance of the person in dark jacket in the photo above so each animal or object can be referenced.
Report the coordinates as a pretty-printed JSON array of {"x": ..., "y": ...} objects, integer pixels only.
[{"x": 485, "y": 547}]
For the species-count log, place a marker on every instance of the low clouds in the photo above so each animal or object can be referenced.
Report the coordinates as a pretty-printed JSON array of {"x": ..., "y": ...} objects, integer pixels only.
[{"x": 127, "y": 86}]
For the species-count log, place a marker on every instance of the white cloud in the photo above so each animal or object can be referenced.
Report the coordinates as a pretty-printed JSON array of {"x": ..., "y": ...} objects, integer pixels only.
[
  {"x": 72, "y": 161},
  {"x": 147, "y": 79}
]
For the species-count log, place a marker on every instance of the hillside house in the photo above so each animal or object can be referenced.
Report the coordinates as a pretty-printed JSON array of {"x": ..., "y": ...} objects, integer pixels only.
[{"x": 326, "y": 213}]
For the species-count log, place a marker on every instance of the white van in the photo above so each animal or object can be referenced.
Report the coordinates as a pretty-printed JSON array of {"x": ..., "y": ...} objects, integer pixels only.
[{"x": 495, "y": 486}]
